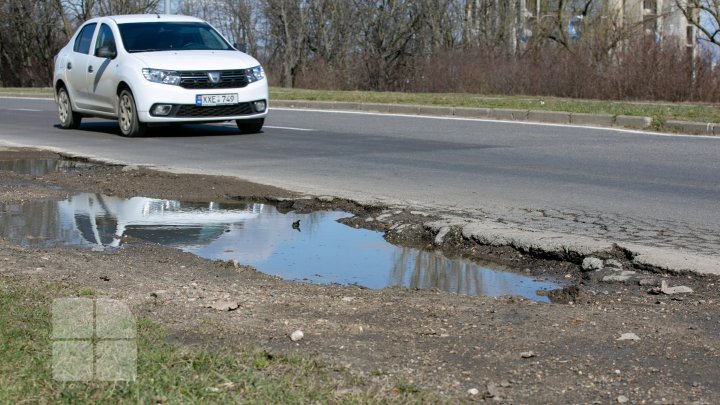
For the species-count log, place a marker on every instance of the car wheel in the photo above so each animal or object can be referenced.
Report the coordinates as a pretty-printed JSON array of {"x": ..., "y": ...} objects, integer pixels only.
[
  {"x": 250, "y": 126},
  {"x": 69, "y": 119},
  {"x": 130, "y": 125}
]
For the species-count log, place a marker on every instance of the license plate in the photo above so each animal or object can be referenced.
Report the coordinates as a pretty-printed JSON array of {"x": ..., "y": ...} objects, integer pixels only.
[{"x": 210, "y": 100}]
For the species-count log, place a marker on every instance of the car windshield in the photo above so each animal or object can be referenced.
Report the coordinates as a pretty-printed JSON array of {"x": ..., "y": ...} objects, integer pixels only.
[{"x": 171, "y": 36}]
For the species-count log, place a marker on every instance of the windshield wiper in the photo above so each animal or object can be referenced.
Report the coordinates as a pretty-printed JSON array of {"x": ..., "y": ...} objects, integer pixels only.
[{"x": 148, "y": 50}]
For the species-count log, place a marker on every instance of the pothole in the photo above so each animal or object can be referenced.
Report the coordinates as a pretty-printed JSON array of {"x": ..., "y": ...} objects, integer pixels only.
[{"x": 311, "y": 247}]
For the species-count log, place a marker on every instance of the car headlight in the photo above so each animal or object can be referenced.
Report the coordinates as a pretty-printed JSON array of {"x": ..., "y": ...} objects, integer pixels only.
[
  {"x": 162, "y": 76},
  {"x": 255, "y": 74}
]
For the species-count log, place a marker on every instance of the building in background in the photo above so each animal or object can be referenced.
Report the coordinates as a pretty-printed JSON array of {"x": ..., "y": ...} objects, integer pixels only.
[
  {"x": 659, "y": 18},
  {"x": 515, "y": 24}
]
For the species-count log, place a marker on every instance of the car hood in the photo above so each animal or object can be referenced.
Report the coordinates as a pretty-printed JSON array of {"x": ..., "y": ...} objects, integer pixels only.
[{"x": 196, "y": 60}]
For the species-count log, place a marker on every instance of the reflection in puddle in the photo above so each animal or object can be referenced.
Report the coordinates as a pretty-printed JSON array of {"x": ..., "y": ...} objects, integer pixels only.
[
  {"x": 322, "y": 251},
  {"x": 39, "y": 167}
]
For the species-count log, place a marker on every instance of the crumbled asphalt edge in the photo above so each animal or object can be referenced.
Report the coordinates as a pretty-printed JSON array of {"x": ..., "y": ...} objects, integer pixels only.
[
  {"x": 455, "y": 237},
  {"x": 404, "y": 227}
]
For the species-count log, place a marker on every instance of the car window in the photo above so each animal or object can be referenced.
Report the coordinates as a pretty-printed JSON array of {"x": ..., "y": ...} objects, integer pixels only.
[
  {"x": 170, "y": 36},
  {"x": 105, "y": 38},
  {"x": 83, "y": 40}
]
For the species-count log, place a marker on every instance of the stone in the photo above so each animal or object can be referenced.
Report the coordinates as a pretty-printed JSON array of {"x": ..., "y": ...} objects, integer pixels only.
[
  {"x": 648, "y": 282},
  {"x": 473, "y": 391},
  {"x": 492, "y": 390},
  {"x": 592, "y": 263},
  {"x": 528, "y": 354},
  {"x": 225, "y": 305},
  {"x": 681, "y": 289},
  {"x": 629, "y": 336},
  {"x": 613, "y": 263},
  {"x": 440, "y": 237},
  {"x": 615, "y": 278},
  {"x": 297, "y": 336},
  {"x": 619, "y": 277},
  {"x": 622, "y": 399}
]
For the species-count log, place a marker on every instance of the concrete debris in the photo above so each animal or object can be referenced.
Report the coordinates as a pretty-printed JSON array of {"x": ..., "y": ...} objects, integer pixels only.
[
  {"x": 492, "y": 390},
  {"x": 621, "y": 277},
  {"x": 681, "y": 289},
  {"x": 297, "y": 336},
  {"x": 440, "y": 237},
  {"x": 224, "y": 305},
  {"x": 592, "y": 263},
  {"x": 613, "y": 263},
  {"x": 648, "y": 282},
  {"x": 629, "y": 336}
]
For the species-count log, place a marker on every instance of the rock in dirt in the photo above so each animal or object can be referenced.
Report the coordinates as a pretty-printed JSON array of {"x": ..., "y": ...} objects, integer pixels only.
[
  {"x": 620, "y": 277},
  {"x": 297, "y": 335},
  {"x": 592, "y": 263},
  {"x": 225, "y": 305},
  {"x": 528, "y": 354},
  {"x": 629, "y": 336},
  {"x": 492, "y": 390},
  {"x": 613, "y": 263},
  {"x": 665, "y": 289},
  {"x": 570, "y": 294},
  {"x": 473, "y": 391}
]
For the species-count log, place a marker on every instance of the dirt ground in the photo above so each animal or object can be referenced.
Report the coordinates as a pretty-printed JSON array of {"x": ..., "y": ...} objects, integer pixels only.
[{"x": 603, "y": 340}]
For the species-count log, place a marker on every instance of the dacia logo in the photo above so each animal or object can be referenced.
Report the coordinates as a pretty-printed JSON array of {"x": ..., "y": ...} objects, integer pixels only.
[{"x": 214, "y": 77}]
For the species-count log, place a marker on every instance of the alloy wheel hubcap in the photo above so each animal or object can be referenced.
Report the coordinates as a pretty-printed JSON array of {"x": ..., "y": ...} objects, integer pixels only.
[
  {"x": 63, "y": 106},
  {"x": 125, "y": 113}
]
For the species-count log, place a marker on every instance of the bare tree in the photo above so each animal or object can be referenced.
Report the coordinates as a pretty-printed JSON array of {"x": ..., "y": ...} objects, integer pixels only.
[
  {"x": 287, "y": 23},
  {"x": 115, "y": 7},
  {"x": 28, "y": 41},
  {"x": 387, "y": 40},
  {"x": 492, "y": 24},
  {"x": 331, "y": 28},
  {"x": 442, "y": 20},
  {"x": 704, "y": 15}
]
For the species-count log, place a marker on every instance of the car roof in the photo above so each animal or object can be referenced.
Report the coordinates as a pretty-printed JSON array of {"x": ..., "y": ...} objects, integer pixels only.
[{"x": 136, "y": 18}]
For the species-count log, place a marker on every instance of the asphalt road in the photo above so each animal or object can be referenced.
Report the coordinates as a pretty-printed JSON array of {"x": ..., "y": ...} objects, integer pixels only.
[{"x": 651, "y": 189}]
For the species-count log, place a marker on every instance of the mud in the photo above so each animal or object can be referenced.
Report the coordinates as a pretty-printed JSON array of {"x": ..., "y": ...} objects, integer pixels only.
[{"x": 512, "y": 350}]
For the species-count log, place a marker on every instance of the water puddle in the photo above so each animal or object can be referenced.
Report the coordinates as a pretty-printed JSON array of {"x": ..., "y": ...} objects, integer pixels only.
[
  {"x": 320, "y": 250},
  {"x": 40, "y": 167}
]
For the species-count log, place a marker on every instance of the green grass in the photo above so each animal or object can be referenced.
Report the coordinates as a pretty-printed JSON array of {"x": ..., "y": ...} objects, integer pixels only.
[
  {"x": 660, "y": 112},
  {"x": 168, "y": 372}
]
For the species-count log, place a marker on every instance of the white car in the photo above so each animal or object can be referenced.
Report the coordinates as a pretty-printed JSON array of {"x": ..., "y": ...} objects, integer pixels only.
[{"x": 145, "y": 70}]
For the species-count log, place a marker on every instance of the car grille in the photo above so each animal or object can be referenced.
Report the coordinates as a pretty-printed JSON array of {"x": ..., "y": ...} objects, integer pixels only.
[
  {"x": 191, "y": 111},
  {"x": 229, "y": 79}
]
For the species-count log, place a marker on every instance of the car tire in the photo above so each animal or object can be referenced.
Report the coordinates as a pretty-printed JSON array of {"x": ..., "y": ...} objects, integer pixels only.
[
  {"x": 130, "y": 124},
  {"x": 250, "y": 126},
  {"x": 69, "y": 119}
]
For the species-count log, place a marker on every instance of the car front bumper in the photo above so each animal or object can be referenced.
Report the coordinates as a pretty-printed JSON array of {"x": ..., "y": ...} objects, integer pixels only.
[{"x": 183, "y": 107}]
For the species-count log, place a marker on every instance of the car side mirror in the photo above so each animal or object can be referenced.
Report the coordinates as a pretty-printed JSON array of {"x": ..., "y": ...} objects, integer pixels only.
[
  {"x": 241, "y": 47},
  {"x": 107, "y": 52}
]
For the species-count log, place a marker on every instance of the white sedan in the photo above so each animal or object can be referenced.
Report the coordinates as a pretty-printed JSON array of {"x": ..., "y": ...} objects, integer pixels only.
[{"x": 155, "y": 70}]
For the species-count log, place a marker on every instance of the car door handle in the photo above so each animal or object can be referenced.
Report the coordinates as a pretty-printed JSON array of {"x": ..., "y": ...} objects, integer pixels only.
[
  {"x": 90, "y": 69},
  {"x": 69, "y": 66}
]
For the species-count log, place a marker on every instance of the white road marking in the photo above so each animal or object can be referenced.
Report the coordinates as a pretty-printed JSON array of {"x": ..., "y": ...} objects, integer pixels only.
[
  {"x": 25, "y": 109},
  {"x": 289, "y": 128},
  {"x": 545, "y": 124},
  {"x": 28, "y": 98}
]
